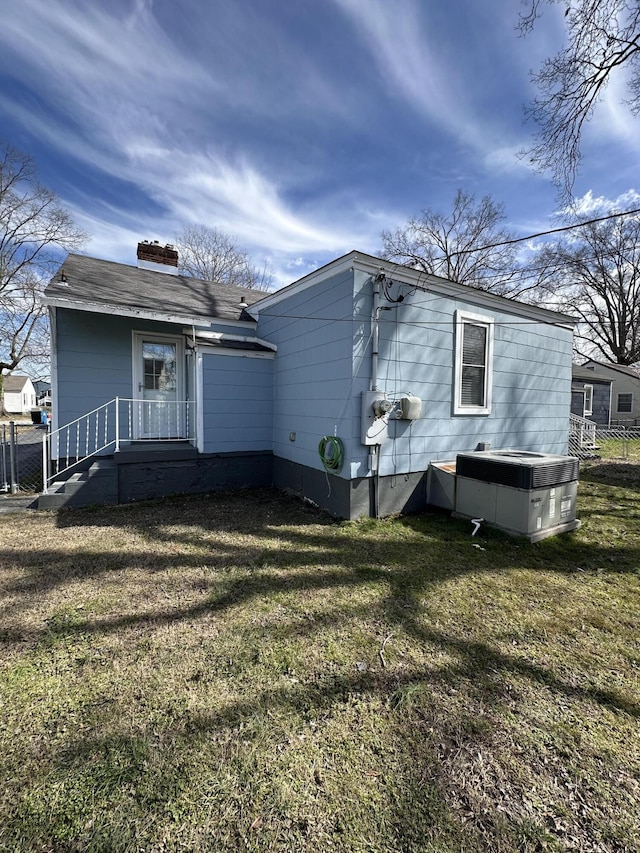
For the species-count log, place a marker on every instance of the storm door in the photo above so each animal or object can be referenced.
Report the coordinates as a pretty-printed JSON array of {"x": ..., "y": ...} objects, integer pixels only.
[{"x": 158, "y": 405}]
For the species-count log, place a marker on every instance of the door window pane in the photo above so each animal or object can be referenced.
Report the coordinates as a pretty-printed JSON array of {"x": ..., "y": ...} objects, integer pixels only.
[{"x": 159, "y": 362}]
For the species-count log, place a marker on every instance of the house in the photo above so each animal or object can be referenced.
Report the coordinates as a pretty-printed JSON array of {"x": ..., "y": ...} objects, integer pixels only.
[
  {"x": 341, "y": 387},
  {"x": 43, "y": 393},
  {"x": 625, "y": 390},
  {"x": 590, "y": 396},
  {"x": 19, "y": 394}
]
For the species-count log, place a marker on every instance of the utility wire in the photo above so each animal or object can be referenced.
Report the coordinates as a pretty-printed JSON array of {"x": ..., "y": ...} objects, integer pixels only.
[{"x": 546, "y": 233}]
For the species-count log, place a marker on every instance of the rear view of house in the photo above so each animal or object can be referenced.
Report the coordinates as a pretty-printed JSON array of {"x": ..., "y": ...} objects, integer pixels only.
[
  {"x": 590, "y": 396},
  {"x": 342, "y": 387},
  {"x": 625, "y": 390}
]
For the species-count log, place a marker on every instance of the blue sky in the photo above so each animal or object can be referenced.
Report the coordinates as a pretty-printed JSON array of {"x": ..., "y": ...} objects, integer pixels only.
[{"x": 301, "y": 128}]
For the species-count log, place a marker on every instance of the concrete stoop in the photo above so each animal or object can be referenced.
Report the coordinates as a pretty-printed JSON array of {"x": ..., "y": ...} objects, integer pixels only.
[
  {"x": 97, "y": 485},
  {"x": 106, "y": 480}
]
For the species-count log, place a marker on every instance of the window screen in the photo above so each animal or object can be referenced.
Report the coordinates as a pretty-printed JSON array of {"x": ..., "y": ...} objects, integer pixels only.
[
  {"x": 474, "y": 361},
  {"x": 473, "y": 366},
  {"x": 625, "y": 402}
]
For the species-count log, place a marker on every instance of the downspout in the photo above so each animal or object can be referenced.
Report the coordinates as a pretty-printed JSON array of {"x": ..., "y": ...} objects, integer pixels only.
[
  {"x": 375, "y": 324},
  {"x": 374, "y": 453},
  {"x": 55, "y": 402}
]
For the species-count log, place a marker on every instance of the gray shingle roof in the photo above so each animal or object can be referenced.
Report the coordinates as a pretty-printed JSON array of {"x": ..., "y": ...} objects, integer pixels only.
[
  {"x": 119, "y": 286},
  {"x": 621, "y": 368},
  {"x": 579, "y": 372},
  {"x": 14, "y": 383}
]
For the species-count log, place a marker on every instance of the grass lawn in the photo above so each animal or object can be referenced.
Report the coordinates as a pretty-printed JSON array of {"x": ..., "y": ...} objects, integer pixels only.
[{"x": 240, "y": 672}]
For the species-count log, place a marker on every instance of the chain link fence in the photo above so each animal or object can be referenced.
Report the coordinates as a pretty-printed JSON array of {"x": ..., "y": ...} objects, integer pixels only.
[
  {"x": 588, "y": 440},
  {"x": 21, "y": 457},
  {"x": 618, "y": 443}
]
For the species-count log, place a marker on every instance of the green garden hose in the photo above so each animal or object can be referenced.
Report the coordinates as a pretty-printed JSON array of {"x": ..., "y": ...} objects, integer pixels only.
[{"x": 331, "y": 452}]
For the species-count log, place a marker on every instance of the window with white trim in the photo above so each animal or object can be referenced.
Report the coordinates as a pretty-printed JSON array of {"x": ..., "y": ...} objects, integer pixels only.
[
  {"x": 473, "y": 364},
  {"x": 588, "y": 399},
  {"x": 625, "y": 403}
]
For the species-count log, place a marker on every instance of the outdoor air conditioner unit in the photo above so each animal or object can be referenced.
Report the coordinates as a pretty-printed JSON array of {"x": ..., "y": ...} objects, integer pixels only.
[{"x": 526, "y": 494}]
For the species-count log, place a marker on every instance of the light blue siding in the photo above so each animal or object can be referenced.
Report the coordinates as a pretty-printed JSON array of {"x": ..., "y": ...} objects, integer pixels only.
[
  {"x": 324, "y": 363},
  {"x": 94, "y": 355},
  {"x": 313, "y": 385},
  {"x": 314, "y": 332},
  {"x": 531, "y": 382},
  {"x": 237, "y": 407}
]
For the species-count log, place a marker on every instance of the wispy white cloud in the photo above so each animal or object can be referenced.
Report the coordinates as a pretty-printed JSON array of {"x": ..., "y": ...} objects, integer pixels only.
[
  {"x": 589, "y": 204},
  {"x": 202, "y": 187},
  {"x": 507, "y": 159},
  {"x": 303, "y": 130},
  {"x": 612, "y": 117},
  {"x": 133, "y": 106},
  {"x": 407, "y": 59},
  {"x": 425, "y": 66}
]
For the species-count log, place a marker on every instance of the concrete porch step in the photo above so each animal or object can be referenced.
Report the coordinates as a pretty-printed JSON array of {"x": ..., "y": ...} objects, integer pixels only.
[
  {"x": 98, "y": 485},
  {"x": 154, "y": 451}
]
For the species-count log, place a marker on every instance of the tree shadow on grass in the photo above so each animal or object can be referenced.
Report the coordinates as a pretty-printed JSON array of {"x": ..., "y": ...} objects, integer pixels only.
[
  {"x": 304, "y": 553},
  {"x": 258, "y": 544},
  {"x": 623, "y": 474},
  {"x": 151, "y": 769}
]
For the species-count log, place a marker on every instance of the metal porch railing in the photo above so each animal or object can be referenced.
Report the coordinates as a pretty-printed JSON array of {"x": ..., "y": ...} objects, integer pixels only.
[
  {"x": 582, "y": 436},
  {"x": 108, "y": 426}
]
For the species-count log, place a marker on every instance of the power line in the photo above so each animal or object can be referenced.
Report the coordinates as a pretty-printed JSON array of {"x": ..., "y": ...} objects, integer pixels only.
[{"x": 546, "y": 233}]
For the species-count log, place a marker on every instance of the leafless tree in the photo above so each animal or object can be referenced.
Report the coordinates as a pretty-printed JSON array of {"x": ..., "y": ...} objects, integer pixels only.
[
  {"x": 212, "y": 255},
  {"x": 595, "y": 271},
  {"x": 468, "y": 245},
  {"x": 603, "y": 39},
  {"x": 34, "y": 230}
]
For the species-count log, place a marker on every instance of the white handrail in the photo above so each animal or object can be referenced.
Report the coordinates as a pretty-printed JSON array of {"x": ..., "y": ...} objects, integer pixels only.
[
  {"x": 582, "y": 434},
  {"x": 93, "y": 433},
  {"x": 81, "y": 430}
]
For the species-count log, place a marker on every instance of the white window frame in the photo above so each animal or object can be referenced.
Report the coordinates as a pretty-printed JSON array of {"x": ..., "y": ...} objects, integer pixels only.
[
  {"x": 463, "y": 318},
  {"x": 628, "y": 411},
  {"x": 588, "y": 400}
]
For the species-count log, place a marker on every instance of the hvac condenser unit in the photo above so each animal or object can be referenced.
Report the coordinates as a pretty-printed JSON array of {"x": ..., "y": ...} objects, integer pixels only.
[{"x": 528, "y": 494}]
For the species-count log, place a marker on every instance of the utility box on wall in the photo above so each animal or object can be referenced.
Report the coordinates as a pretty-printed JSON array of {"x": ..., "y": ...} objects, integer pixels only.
[
  {"x": 375, "y": 417},
  {"x": 409, "y": 408}
]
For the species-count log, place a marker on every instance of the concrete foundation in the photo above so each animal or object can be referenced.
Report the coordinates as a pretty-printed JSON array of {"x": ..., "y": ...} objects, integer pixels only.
[
  {"x": 400, "y": 493},
  {"x": 145, "y": 472}
]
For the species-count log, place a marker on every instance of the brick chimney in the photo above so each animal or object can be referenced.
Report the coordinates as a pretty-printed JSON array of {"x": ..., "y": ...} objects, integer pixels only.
[{"x": 151, "y": 255}]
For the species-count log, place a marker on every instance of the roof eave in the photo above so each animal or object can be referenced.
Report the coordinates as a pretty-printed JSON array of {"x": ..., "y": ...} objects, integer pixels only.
[
  {"x": 142, "y": 314},
  {"x": 413, "y": 277}
]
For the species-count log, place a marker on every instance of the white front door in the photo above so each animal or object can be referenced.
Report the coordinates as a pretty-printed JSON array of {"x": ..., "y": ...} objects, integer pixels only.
[{"x": 158, "y": 387}]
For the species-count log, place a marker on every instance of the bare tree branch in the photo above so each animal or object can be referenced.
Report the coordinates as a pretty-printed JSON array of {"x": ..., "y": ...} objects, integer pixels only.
[
  {"x": 34, "y": 229},
  {"x": 596, "y": 275},
  {"x": 602, "y": 37},
  {"x": 450, "y": 246},
  {"x": 212, "y": 255}
]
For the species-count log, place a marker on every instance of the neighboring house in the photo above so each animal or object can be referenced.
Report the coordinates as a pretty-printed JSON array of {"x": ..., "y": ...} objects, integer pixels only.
[
  {"x": 590, "y": 396},
  {"x": 625, "y": 390},
  {"x": 19, "y": 394},
  {"x": 43, "y": 392},
  {"x": 341, "y": 387}
]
